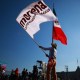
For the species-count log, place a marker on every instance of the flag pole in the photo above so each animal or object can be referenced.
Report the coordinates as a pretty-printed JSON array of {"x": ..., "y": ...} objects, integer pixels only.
[
  {"x": 38, "y": 45},
  {"x": 53, "y": 23}
]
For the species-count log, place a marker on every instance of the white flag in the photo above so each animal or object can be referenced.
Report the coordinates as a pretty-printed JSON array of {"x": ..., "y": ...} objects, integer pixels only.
[{"x": 31, "y": 17}]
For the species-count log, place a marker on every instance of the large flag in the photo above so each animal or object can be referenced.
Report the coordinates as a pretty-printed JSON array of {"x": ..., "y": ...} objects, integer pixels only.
[
  {"x": 58, "y": 33},
  {"x": 31, "y": 17}
]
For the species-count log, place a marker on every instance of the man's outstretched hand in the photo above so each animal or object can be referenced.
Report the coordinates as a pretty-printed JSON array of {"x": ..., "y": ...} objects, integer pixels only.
[{"x": 40, "y": 46}]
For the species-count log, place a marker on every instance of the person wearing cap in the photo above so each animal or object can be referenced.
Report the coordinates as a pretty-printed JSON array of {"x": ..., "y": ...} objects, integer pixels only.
[{"x": 51, "y": 66}]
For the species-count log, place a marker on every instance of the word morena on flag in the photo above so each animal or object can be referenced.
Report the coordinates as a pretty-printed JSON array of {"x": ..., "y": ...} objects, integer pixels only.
[
  {"x": 32, "y": 16},
  {"x": 58, "y": 33}
]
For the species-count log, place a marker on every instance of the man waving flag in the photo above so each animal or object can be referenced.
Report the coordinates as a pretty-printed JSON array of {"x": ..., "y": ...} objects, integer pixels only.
[
  {"x": 31, "y": 17},
  {"x": 58, "y": 33}
]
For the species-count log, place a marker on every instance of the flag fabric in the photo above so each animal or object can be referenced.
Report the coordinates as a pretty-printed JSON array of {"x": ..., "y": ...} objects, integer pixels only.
[
  {"x": 58, "y": 33},
  {"x": 32, "y": 16}
]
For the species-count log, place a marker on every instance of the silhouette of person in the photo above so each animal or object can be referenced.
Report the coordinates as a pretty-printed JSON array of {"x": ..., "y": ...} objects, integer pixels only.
[
  {"x": 16, "y": 73},
  {"x": 35, "y": 73},
  {"x": 51, "y": 66},
  {"x": 0, "y": 70}
]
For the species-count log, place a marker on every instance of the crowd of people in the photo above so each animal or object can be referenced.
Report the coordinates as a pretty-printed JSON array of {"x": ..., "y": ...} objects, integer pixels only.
[{"x": 24, "y": 75}]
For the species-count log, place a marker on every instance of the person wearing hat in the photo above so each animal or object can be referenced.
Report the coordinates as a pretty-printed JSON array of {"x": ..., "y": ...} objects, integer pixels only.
[{"x": 51, "y": 66}]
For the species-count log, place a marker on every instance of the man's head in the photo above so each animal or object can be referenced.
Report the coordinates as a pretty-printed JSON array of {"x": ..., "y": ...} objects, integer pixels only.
[{"x": 54, "y": 45}]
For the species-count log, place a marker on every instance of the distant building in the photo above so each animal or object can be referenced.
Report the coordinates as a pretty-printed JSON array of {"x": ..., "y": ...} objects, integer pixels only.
[{"x": 72, "y": 75}]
